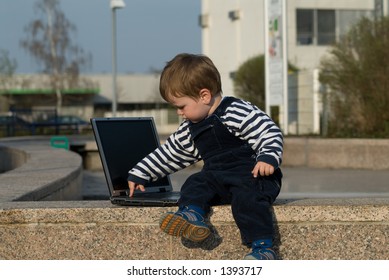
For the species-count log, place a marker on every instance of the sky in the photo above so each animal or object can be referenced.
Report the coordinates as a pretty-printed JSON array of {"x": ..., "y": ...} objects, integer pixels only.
[{"x": 149, "y": 32}]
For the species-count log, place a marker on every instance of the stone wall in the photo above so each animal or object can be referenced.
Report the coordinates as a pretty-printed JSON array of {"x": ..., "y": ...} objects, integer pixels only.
[
  {"x": 336, "y": 153},
  {"x": 306, "y": 230}
]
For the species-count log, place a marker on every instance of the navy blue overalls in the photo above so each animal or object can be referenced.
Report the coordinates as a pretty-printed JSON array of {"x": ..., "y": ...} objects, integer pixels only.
[{"x": 226, "y": 178}]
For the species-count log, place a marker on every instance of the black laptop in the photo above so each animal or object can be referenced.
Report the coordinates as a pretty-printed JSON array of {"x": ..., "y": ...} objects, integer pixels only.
[{"x": 122, "y": 143}]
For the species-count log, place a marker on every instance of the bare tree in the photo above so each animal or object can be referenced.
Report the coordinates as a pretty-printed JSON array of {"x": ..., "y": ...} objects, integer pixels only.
[
  {"x": 48, "y": 41},
  {"x": 7, "y": 81},
  {"x": 7, "y": 70}
]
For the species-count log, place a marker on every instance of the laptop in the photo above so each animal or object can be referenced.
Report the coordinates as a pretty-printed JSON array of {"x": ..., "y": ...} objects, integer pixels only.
[{"x": 122, "y": 143}]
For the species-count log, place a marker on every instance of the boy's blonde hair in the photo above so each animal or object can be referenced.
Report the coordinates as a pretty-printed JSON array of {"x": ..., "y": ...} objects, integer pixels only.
[{"x": 187, "y": 74}]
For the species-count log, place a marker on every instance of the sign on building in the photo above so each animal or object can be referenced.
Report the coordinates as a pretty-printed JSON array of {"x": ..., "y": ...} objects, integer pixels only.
[{"x": 275, "y": 57}]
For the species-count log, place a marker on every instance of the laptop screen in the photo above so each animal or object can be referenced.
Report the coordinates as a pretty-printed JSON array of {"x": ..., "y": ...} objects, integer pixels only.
[{"x": 122, "y": 143}]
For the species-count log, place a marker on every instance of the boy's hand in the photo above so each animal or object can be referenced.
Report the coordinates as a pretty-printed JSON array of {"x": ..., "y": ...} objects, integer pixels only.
[
  {"x": 263, "y": 169},
  {"x": 134, "y": 186}
]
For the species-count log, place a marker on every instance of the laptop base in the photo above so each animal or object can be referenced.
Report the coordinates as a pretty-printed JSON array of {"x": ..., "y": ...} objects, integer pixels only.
[{"x": 171, "y": 199}]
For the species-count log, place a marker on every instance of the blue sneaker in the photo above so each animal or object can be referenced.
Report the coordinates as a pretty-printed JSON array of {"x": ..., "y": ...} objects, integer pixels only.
[
  {"x": 261, "y": 250},
  {"x": 187, "y": 222}
]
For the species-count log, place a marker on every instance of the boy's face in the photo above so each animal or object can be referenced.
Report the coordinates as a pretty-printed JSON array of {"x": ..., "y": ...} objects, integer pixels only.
[{"x": 191, "y": 109}]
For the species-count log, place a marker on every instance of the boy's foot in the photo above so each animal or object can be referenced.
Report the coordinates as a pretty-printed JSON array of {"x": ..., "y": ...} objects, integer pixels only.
[
  {"x": 262, "y": 250},
  {"x": 186, "y": 223},
  {"x": 261, "y": 254}
]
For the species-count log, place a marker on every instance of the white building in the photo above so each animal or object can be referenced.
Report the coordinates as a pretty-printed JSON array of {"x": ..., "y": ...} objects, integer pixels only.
[{"x": 233, "y": 32}]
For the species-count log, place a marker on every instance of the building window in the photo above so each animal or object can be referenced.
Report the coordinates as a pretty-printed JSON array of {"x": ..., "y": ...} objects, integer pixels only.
[
  {"x": 304, "y": 27},
  {"x": 347, "y": 18},
  {"x": 325, "y": 27}
]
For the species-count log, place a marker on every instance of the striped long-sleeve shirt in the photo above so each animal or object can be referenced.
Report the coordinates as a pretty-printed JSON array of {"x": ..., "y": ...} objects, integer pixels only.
[{"x": 242, "y": 119}]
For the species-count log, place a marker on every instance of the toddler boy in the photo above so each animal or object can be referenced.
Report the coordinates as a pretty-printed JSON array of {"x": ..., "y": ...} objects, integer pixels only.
[{"x": 241, "y": 148}]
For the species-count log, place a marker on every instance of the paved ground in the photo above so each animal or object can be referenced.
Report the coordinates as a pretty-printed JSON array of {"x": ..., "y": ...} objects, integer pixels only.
[{"x": 297, "y": 183}]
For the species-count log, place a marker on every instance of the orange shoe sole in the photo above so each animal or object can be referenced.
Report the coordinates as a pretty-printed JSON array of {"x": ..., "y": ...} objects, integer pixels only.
[{"x": 177, "y": 226}]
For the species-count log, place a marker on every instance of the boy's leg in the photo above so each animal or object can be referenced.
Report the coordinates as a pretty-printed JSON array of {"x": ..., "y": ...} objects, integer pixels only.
[
  {"x": 198, "y": 190},
  {"x": 251, "y": 208}
]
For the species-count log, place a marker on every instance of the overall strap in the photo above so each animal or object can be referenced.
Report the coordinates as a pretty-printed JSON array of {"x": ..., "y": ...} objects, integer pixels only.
[{"x": 226, "y": 101}]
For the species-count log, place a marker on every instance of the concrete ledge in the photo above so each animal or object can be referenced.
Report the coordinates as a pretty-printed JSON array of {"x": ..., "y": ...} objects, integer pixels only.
[
  {"x": 337, "y": 153},
  {"x": 306, "y": 230},
  {"x": 11, "y": 158},
  {"x": 38, "y": 172}
]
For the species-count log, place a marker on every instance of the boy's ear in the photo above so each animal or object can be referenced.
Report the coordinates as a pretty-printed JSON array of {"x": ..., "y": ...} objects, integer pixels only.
[{"x": 205, "y": 96}]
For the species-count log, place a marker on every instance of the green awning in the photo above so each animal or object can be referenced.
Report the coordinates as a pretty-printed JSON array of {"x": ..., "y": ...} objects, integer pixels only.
[{"x": 50, "y": 91}]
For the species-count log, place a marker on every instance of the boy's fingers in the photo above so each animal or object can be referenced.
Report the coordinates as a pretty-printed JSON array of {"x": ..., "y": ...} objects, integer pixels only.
[
  {"x": 140, "y": 187},
  {"x": 132, "y": 186},
  {"x": 255, "y": 172},
  {"x": 268, "y": 170},
  {"x": 263, "y": 169}
]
